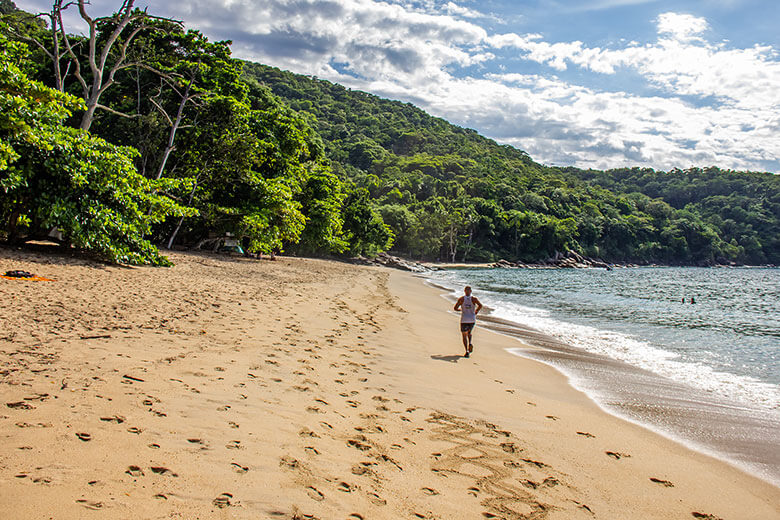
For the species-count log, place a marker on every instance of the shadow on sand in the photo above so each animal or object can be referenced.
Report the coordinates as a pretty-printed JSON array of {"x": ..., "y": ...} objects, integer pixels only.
[{"x": 451, "y": 358}]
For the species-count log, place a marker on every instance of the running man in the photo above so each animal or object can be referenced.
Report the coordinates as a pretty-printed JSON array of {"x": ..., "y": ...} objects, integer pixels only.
[{"x": 469, "y": 306}]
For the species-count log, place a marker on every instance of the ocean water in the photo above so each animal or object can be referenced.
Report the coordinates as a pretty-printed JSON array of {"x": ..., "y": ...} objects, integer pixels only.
[{"x": 724, "y": 348}]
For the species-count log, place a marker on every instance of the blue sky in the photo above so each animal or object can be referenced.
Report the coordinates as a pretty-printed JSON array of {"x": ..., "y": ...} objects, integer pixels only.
[{"x": 590, "y": 83}]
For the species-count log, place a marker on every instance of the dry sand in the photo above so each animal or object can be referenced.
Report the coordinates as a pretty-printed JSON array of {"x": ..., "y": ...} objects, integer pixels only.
[{"x": 233, "y": 388}]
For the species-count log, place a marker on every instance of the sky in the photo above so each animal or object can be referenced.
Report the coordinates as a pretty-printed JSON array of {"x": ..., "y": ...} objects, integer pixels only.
[{"x": 587, "y": 83}]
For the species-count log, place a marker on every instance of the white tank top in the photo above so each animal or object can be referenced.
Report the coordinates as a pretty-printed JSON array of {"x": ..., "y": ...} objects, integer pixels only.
[{"x": 467, "y": 311}]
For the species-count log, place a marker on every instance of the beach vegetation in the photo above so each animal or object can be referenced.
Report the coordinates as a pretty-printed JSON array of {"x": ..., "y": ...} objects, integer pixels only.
[
  {"x": 199, "y": 145},
  {"x": 63, "y": 181}
]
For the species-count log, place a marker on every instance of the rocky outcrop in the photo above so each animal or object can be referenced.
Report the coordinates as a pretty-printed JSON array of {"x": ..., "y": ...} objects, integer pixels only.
[
  {"x": 567, "y": 260},
  {"x": 385, "y": 260}
]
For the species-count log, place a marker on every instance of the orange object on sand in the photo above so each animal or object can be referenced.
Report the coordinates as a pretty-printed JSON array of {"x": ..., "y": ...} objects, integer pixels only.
[{"x": 29, "y": 279}]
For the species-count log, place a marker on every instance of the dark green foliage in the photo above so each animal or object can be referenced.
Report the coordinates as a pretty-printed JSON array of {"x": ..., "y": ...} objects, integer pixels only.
[
  {"x": 737, "y": 211},
  {"x": 7, "y": 7},
  {"x": 364, "y": 229},
  {"x": 57, "y": 177}
]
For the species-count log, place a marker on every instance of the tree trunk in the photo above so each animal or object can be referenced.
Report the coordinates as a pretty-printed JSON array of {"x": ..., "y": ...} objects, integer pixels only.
[
  {"x": 13, "y": 222},
  {"x": 89, "y": 115},
  {"x": 181, "y": 220}
]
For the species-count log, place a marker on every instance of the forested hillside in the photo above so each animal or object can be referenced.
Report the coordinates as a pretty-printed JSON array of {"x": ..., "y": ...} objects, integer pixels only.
[
  {"x": 140, "y": 133},
  {"x": 449, "y": 193}
]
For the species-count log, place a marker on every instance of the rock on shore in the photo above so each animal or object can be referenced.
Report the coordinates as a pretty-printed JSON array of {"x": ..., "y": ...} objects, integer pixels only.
[
  {"x": 385, "y": 260},
  {"x": 567, "y": 260}
]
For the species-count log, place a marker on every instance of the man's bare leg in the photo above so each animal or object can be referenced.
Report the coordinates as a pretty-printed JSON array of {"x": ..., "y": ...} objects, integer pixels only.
[{"x": 466, "y": 340}]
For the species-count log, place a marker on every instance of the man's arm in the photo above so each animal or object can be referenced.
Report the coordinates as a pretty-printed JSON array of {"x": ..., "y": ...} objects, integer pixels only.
[
  {"x": 478, "y": 305},
  {"x": 459, "y": 303}
]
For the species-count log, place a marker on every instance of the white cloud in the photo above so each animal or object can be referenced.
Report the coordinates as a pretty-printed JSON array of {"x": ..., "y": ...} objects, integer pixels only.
[{"x": 681, "y": 26}]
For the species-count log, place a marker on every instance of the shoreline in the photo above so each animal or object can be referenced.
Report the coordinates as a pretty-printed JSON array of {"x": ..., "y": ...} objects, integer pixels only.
[
  {"x": 714, "y": 426},
  {"x": 233, "y": 388}
]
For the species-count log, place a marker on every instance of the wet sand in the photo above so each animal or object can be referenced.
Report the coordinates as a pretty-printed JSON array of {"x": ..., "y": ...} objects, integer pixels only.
[
  {"x": 747, "y": 437},
  {"x": 234, "y": 388}
]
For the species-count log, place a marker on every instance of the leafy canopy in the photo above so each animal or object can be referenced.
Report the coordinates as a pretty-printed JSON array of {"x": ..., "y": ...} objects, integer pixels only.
[{"x": 56, "y": 177}]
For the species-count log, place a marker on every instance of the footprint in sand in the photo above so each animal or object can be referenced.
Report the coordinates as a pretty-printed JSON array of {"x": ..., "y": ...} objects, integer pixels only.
[
  {"x": 315, "y": 494},
  {"x": 429, "y": 491},
  {"x": 159, "y": 470},
  {"x": 359, "y": 445},
  {"x": 364, "y": 468},
  {"x": 616, "y": 455},
  {"x": 376, "y": 499},
  {"x": 705, "y": 516},
  {"x": 233, "y": 445},
  {"x": 37, "y": 425},
  {"x": 288, "y": 462},
  {"x": 154, "y": 446},
  {"x": 134, "y": 471},
  {"x": 355, "y": 516},
  {"x": 534, "y": 463},
  {"x": 114, "y": 419},
  {"x": 232, "y": 424},
  {"x": 311, "y": 449},
  {"x": 586, "y": 434},
  {"x": 473, "y": 491},
  {"x": 134, "y": 430},
  {"x": 551, "y": 417},
  {"x": 345, "y": 487},
  {"x": 238, "y": 468},
  {"x": 666, "y": 483},
  {"x": 20, "y": 405},
  {"x": 90, "y": 504},
  {"x": 223, "y": 500},
  {"x": 84, "y": 437}
]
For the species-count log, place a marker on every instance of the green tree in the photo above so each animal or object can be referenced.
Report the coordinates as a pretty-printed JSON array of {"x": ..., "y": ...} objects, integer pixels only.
[
  {"x": 56, "y": 177},
  {"x": 364, "y": 229}
]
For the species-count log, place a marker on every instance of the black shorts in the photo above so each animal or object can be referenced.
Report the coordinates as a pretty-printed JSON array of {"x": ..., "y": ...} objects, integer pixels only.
[{"x": 466, "y": 327}]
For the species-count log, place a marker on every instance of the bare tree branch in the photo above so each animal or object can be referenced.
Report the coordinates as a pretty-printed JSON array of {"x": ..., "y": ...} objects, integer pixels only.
[
  {"x": 103, "y": 76},
  {"x": 162, "y": 111},
  {"x": 117, "y": 113}
]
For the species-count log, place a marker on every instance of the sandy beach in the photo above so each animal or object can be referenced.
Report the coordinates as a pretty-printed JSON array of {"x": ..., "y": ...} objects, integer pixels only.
[{"x": 307, "y": 389}]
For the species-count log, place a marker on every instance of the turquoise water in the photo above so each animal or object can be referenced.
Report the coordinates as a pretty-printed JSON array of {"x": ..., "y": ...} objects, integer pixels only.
[{"x": 727, "y": 343}]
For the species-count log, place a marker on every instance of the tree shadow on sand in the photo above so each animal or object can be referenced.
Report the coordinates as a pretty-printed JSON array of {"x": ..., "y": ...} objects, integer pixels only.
[{"x": 450, "y": 358}]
